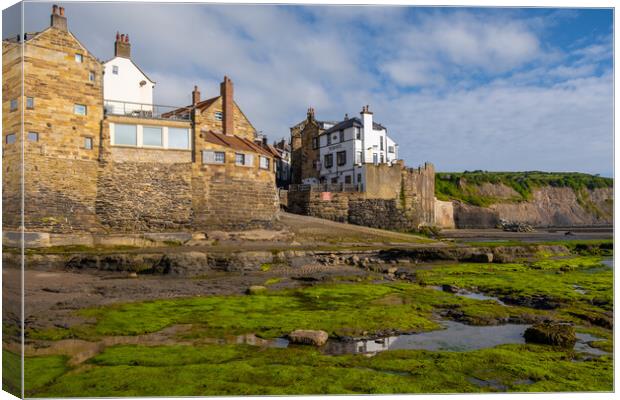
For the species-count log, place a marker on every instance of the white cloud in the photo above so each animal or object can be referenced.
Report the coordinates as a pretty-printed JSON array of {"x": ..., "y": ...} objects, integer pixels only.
[{"x": 537, "y": 107}]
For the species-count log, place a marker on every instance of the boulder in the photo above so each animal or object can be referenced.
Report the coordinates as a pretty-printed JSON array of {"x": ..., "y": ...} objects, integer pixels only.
[
  {"x": 450, "y": 288},
  {"x": 133, "y": 275},
  {"x": 256, "y": 289},
  {"x": 306, "y": 336},
  {"x": 553, "y": 333}
]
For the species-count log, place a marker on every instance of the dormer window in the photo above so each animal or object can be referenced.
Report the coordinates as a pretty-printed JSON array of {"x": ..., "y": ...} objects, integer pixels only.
[
  {"x": 218, "y": 116},
  {"x": 79, "y": 58},
  {"x": 115, "y": 69}
]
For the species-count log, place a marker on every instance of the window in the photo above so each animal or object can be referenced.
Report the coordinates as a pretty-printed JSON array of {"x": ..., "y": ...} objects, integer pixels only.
[
  {"x": 115, "y": 69},
  {"x": 358, "y": 133},
  {"x": 10, "y": 138},
  {"x": 381, "y": 142},
  {"x": 342, "y": 136},
  {"x": 341, "y": 157},
  {"x": 375, "y": 158},
  {"x": 152, "y": 136},
  {"x": 382, "y": 159},
  {"x": 79, "y": 109},
  {"x": 218, "y": 116},
  {"x": 13, "y": 104},
  {"x": 30, "y": 103},
  {"x": 33, "y": 137},
  {"x": 358, "y": 157},
  {"x": 244, "y": 159},
  {"x": 91, "y": 76},
  {"x": 315, "y": 143},
  {"x": 125, "y": 135},
  {"x": 78, "y": 57},
  {"x": 213, "y": 157},
  {"x": 88, "y": 143},
  {"x": 329, "y": 160},
  {"x": 334, "y": 180},
  {"x": 178, "y": 138},
  {"x": 263, "y": 162},
  {"x": 329, "y": 140},
  {"x": 347, "y": 179},
  {"x": 391, "y": 149},
  {"x": 359, "y": 178}
]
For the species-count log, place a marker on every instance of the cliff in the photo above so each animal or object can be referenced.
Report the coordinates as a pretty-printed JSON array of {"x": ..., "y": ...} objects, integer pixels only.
[{"x": 481, "y": 199}]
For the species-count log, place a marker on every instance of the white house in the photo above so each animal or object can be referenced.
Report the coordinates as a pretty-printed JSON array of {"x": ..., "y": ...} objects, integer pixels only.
[
  {"x": 347, "y": 147},
  {"x": 126, "y": 88}
]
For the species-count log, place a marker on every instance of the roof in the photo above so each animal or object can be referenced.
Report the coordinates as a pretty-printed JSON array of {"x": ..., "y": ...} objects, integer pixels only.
[
  {"x": 234, "y": 142},
  {"x": 201, "y": 105},
  {"x": 347, "y": 123}
]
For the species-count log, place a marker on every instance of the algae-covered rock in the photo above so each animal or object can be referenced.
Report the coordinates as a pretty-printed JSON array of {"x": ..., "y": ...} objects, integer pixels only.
[
  {"x": 306, "y": 336},
  {"x": 256, "y": 289},
  {"x": 553, "y": 333}
]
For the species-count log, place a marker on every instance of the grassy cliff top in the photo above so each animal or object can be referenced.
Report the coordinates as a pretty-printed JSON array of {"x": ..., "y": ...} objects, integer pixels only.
[{"x": 464, "y": 186}]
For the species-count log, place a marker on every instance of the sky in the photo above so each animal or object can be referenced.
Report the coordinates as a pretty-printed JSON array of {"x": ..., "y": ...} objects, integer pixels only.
[{"x": 498, "y": 89}]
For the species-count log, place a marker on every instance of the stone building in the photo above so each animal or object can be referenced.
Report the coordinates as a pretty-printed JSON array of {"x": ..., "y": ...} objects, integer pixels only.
[
  {"x": 91, "y": 168},
  {"x": 305, "y": 149},
  {"x": 349, "y": 171}
]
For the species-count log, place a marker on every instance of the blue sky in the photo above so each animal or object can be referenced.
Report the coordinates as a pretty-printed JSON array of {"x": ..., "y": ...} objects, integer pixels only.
[{"x": 464, "y": 88}]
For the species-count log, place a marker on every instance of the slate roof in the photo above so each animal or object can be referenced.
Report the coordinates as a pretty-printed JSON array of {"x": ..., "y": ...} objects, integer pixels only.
[
  {"x": 347, "y": 123},
  {"x": 234, "y": 142}
]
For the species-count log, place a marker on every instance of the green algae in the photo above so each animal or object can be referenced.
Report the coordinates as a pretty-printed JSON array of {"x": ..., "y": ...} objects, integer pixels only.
[{"x": 246, "y": 370}]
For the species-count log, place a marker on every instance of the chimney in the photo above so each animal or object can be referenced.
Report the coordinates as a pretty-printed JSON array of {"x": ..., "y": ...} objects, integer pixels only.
[
  {"x": 58, "y": 19},
  {"x": 195, "y": 95},
  {"x": 226, "y": 91},
  {"x": 310, "y": 114},
  {"x": 122, "y": 48},
  {"x": 366, "y": 120}
]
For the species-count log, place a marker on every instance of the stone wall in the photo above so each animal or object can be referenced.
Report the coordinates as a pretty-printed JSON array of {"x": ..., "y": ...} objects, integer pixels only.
[
  {"x": 397, "y": 198},
  {"x": 140, "y": 196},
  {"x": 444, "y": 214}
]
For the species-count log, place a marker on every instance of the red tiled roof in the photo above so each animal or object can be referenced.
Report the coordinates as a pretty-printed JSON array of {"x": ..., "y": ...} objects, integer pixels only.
[
  {"x": 234, "y": 142},
  {"x": 201, "y": 105}
]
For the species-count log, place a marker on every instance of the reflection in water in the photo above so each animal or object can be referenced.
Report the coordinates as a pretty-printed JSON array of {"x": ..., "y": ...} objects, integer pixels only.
[
  {"x": 473, "y": 295},
  {"x": 608, "y": 262},
  {"x": 456, "y": 337}
]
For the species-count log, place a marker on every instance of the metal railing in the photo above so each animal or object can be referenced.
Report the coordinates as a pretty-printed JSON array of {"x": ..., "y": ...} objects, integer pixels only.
[
  {"x": 326, "y": 187},
  {"x": 141, "y": 110}
]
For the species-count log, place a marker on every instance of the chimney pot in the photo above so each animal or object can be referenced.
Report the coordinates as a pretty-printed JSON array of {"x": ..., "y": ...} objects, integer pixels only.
[
  {"x": 122, "y": 48},
  {"x": 58, "y": 20}
]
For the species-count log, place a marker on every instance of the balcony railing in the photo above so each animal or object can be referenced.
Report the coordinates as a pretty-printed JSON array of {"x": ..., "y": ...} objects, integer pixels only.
[
  {"x": 140, "y": 110},
  {"x": 327, "y": 187}
]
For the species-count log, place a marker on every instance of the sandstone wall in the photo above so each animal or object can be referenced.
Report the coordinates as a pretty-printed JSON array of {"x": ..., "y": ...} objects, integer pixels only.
[
  {"x": 141, "y": 196},
  {"x": 444, "y": 214}
]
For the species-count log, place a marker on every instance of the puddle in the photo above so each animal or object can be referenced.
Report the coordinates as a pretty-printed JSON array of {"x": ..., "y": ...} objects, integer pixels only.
[
  {"x": 609, "y": 262},
  {"x": 579, "y": 289},
  {"x": 472, "y": 295},
  {"x": 456, "y": 337}
]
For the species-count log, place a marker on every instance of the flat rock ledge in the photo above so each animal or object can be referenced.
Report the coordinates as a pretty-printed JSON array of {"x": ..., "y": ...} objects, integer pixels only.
[
  {"x": 306, "y": 336},
  {"x": 552, "y": 333}
]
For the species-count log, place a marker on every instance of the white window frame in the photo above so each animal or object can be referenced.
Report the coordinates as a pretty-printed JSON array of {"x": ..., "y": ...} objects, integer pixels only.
[
  {"x": 248, "y": 160},
  {"x": 13, "y": 106},
  {"x": 219, "y": 116},
  {"x": 210, "y": 157},
  {"x": 140, "y": 137},
  {"x": 114, "y": 69},
  {"x": 79, "y": 58},
  {"x": 161, "y": 136},
  {"x": 89, "y": 139},
  {"x": 75, "y": 108},
  {"x": 13, "y": 136},
  {"x": 167, "y": 137},
  {"x": 29, "y": 99},
  {"x": 260, "y": 162}
]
